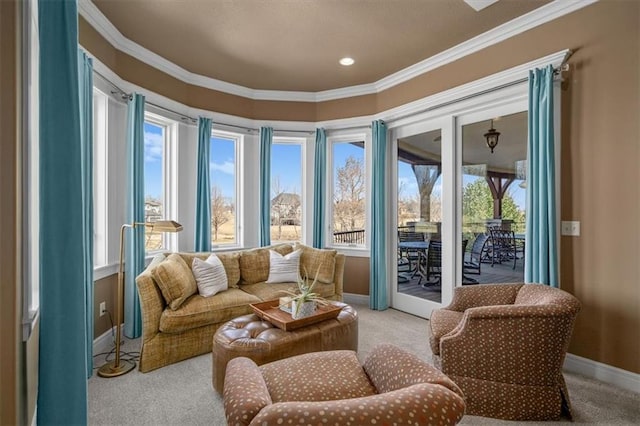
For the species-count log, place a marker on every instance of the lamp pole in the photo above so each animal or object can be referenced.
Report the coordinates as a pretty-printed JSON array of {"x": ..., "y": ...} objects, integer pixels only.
[{"x": 119, "y": 367}]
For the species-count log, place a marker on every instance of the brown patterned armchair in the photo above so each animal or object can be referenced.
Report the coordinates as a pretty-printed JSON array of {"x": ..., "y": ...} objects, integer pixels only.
[
  {"x": 504, "y": 345},
  {"x": 392, "y": 387}
]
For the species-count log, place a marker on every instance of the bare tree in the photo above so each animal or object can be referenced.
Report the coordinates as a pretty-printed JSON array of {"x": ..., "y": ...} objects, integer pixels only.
[
  {"x": 219, "y": 210},
  {"x": 348, "y": 202}
]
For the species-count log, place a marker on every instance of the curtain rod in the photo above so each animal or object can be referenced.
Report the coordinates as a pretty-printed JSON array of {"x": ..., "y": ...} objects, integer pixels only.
[{"x": 124, "y": 95}]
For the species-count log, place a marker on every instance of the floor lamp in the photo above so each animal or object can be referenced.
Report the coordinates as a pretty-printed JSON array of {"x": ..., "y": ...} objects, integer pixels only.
[{"x": 118, "y": 367}]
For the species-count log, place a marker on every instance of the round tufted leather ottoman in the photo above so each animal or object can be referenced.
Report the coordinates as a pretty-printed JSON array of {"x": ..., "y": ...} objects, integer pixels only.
[{"x": 251, "y": 337}]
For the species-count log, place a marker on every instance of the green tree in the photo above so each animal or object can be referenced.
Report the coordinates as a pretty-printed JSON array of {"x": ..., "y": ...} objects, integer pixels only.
[{"x": 477, "y": 205}]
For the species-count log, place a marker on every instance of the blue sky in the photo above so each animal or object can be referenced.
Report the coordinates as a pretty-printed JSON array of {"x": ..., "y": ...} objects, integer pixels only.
[
  {"x": 285, "y": 163},
  {"x": 153, "y": 161}
]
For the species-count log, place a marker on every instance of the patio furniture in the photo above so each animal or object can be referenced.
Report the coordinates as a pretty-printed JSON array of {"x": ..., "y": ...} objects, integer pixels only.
[
  {"x": 479, "y": 253},
  {"x": 408, "y": 254},
  {"x": 504, "y": 247},
  {"x": 391, "y": 387},
  {"x": 504, "y": 345}
]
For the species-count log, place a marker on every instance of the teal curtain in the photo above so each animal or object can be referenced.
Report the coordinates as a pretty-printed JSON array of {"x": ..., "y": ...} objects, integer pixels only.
[
  {"x": 266, "y": 138},
  {"x": 135, "y": 247},
  {"x": 378, "y": 272},
  {"x": 85, "y": 78},
  {"x": 63, "y": 363},
  {"x": 541, "y": 251},
  {"x": 203, "y": 187},
  {"x": 319, "y": 188}
]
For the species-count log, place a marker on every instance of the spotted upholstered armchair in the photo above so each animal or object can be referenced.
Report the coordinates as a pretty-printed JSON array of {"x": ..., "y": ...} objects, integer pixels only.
[
  {"x": 392, "y": 387},
  {"x": 504, "y": 345}
]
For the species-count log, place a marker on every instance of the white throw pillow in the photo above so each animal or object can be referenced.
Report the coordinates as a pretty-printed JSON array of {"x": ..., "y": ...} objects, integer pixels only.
[
  {"x": 283, "y": 269},
  {"x": 210, "y": 276}
]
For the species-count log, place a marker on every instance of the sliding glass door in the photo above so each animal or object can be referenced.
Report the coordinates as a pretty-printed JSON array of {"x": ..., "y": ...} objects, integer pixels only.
[
  {"x": 419, "y": 196},
  {"x": 492, "y": 192},
  {"x": 458, "y": 208}
]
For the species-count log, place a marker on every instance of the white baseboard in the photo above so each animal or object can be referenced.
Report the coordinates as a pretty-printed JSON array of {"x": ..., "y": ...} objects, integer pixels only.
[
  {"x": 605, "y": 373},
  {"x": 360, "y": 299}
]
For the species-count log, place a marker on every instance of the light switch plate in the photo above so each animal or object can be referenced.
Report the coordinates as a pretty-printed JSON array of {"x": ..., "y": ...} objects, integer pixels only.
[{"x": 571, "y": 228}]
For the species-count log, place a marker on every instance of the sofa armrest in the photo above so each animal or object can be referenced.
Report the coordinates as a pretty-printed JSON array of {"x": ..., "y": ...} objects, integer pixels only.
[
  {"x": 483, "y": 295},
  {"x": 152, "y": 304},
  {"x": 423, "y": 403},
  {"x": 494, "y": 342},
  {"x": 245, "y": 392},
  {"x": 338, "y": 276},
  {"x": 385, "y": 362}
]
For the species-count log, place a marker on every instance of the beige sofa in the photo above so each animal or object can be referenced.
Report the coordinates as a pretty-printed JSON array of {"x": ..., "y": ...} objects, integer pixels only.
[{"x": 177, "y": 325}]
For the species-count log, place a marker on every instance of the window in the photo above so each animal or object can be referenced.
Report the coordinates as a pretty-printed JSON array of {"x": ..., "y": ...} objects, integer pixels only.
[
  {"x": 223, "y": 163},
  {"x": 348, "y": 215},
  {"x": 100, "y": 105},
  {"x": 286, "y": 189},
  {"x": 157, "y": 178}
]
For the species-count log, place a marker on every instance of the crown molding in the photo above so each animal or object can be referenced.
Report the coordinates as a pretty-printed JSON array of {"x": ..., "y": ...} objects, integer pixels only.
[{"x": 542, "y": 15}]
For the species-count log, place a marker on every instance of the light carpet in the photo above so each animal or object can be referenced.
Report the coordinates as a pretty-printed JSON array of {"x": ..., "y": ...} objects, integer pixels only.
[{"x": 182, "y": 394}]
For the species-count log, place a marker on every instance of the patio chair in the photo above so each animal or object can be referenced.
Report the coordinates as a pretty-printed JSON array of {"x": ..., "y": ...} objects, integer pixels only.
[
  {"x": 504, "y": 247},
  {"x": 409, "y": 256},
  {"x": 479, "y": 254}
]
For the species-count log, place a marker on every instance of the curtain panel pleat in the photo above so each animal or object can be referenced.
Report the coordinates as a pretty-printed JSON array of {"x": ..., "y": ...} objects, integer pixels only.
[
  {"x": 319, "y": 188},
  {"x": 541, "y": 249},
  {"x": 203, "y": 187},
  {"x": 85, "y": 74},
  {"x": 378, "y": 269},
  {"x": 64, "y": 254},
  {"x": 266, "y": 139},
  {"x": 135, "y": 244}
]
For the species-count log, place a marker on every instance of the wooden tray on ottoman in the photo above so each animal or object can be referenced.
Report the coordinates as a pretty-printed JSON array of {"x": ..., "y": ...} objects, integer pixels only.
[{"x": 270, "y": 312}]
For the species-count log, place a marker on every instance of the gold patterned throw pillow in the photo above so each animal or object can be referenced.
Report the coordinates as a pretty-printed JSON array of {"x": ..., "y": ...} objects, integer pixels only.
[
  {"x": 254, "y": 264},
  {"x": 320, "y": 261},
  {"x": 175, "y": 279}
]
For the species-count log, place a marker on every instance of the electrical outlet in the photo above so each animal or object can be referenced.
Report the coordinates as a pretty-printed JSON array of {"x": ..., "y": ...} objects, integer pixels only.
[
  {"x": 571, "y": 228},
  {"x": 103, "y": 308}
]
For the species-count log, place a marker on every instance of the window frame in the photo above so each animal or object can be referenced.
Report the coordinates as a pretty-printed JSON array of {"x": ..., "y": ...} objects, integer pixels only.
[
  {"x": 357, "y": 250},
  {"x": 169, "y": 177},
  {"x": 100, "y": 177},
  {"x": 302, "y": 142},
  {"x": 238, "y": 149}
]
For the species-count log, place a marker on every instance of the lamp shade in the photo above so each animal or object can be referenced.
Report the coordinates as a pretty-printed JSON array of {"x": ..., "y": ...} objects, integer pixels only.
[{"x": 165, "y": 226}]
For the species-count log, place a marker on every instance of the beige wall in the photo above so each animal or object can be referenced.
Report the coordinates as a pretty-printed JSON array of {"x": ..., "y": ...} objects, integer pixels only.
[
  {"x": 9, "y": 221},
  {"x": 600, "y": 140},
  {"x": 104, "y": 290},
  {"x": 356, "y": 275}
]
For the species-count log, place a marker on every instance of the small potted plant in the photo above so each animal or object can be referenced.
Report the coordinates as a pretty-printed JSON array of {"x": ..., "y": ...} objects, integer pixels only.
[{"x": 304, "y": 301}]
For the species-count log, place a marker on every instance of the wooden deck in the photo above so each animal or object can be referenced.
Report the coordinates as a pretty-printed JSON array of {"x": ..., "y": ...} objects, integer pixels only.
[{"x": 499, "y": 273}]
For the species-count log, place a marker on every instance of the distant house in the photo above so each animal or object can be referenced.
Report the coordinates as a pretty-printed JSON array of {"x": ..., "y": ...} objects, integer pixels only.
[
  {"x": 152, "y": 210},
  {"x": 286, "y": 209}
]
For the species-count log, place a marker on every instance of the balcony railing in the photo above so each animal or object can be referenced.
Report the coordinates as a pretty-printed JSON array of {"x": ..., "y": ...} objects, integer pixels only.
[{"x": 349, "y": 237}]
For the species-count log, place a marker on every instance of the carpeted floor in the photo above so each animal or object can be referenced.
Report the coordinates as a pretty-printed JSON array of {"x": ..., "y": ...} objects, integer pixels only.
[{"x": 181, "y": 394}]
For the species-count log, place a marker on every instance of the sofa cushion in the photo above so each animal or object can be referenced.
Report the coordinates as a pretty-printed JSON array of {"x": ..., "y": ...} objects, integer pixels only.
[
  {"x": 304, "y": 377},
  {"x": 266, "y": 291},
  {"x": 230, "y": 261},
  {"x": 254, "y": 264},
  {"x": 175, "y": 280},
  {"x": 317, "y": 261},
  {"x": 284, "y": 269},
  {"x": 210, "y": 276},
  {"x": 442, "y": 322},
  {"x": 198, "y": 311}
]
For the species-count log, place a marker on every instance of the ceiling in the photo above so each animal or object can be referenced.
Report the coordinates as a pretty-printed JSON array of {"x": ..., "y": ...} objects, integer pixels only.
[
  {"x": 512, "y": 143},
  {"x": 295, "y": 45}
]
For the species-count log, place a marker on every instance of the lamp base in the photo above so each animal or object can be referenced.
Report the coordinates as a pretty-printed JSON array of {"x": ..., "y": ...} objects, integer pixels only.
[{"x": 110, "y": 369}]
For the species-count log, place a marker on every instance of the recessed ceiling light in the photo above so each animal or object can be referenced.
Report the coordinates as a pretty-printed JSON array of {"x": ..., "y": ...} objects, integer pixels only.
[{"x": 346, "y": 61}]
